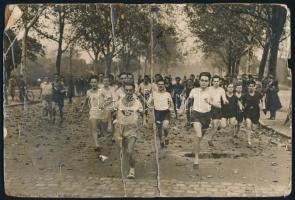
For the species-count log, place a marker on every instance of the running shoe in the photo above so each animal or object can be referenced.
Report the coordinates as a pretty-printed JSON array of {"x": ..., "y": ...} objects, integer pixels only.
[{"x": 131, "y": 175}]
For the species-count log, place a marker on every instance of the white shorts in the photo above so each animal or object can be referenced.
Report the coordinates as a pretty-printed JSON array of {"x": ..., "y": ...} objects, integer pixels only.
[{"x": 97, "y": 114}]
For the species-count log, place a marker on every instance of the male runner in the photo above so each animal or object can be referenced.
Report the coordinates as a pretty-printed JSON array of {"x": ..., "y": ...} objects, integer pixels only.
[
  {"x": 163, "y": 103},
  {"x": 126, "y": 129},
  {"x": 218, "y": 95},
  {"x": 46, "y": 94},
  {"x": 230, "y": 110},
  {"x": 185, "y": 93},
  {"x": 201, "y": 98},
  {"x": 58, "y": 97},
  {"x": 240, "y": 114},
  {"x": 109, "y": 99},
  {"x": 145, "y": 89},
  {"x": 251, "y": 101},
  {"x": 95, "y": 100},
  {"x": 177, "y": 89}
]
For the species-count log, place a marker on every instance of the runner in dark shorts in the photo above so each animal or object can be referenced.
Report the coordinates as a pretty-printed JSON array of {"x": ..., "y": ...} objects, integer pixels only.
[
  {"x": 201, "y": 101},
  {"x": 240, "y": 113},
  {"x": 187, "y": 90},
  {"x": 58, "y": 97},
  {"x": 163, "y": 104},
  {"x": 216, "y": 113},
  {"x": 203, "y": 118},
  {"x": 230, "y": 110},
  {"x": 162, "y": 115},
  {"x": 251, "y": 101},
  {"x": 218, "y": 97}
]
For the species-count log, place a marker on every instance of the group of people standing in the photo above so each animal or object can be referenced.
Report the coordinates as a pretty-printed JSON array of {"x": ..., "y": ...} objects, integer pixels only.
[
  {"x": 210, "y": 103},
  {"x": 15, "y": 83}
]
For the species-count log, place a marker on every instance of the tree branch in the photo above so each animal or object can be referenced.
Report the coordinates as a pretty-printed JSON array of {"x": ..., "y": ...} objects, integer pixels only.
[
  {"x": 36, "y": 17},
  {"x": 282, "y": 39},
  {"x": 51, "y": 37},
  {"x": 87, "y": 50},
  {"x": 69, "y": 43}
]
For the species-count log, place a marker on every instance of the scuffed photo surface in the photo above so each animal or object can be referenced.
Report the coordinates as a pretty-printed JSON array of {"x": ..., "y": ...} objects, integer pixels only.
[{"x": 170, "y": 100}]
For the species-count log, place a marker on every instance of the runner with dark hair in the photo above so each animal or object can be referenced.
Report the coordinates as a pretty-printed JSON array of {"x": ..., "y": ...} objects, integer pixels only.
[
  {"x": 177, "y": 89},
  {"x": 251, "y": 101},
  {"x": 230, "y": 110},
  {"x": 240, "y": 114},
  {"x": 218, "y": 96},
  {"x": 163, "y": 104},
  {"x": 58, "y": 98},
  {"x": 94, "y": 99},
  {"x": 126, "y": 129},
  {"x": 185, "y": 93},
  {"x": 201, "y": 101}
]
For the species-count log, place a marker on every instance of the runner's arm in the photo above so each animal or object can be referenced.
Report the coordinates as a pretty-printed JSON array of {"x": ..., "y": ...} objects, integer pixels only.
[
  {"x": 223, "y": 96},
  {"x": 171, "y": 105},
  {"x": 150, "y": 101},
  {"x": 84, "y": 103}
]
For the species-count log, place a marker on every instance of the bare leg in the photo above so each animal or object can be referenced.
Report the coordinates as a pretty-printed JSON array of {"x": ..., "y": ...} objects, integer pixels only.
[
  {"x": 130, "y": 152},
  {"x": 197, "y": 141},
  {"x": 93, "y": 130},
  {"x": 249, "y": 130},
  {"x": 160, "y": 133},
  {"x": 166, "y": 132},
  {"x": 232, "y": 125},
  {"x": 215, "y": 125}
]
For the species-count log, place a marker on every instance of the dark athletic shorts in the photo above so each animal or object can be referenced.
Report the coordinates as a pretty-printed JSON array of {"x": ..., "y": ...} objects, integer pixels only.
[
  {"x": 229, "y": 113},
  {"x": 203, "y": 118},
  {"x": 252, "y": 114},
  {"x": 240, "y": 116},
  {"x": 216, "y": 113},
  {"x": 161, "y": 115}
]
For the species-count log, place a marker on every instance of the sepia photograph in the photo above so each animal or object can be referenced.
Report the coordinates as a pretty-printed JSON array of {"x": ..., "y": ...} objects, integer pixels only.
[{"x": 147, "y": 100}]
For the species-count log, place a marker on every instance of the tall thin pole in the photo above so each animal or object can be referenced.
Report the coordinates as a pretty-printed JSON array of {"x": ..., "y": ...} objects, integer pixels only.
[
  {"x": 152, "y": 45},
  {"x": 154, "y": 124},
  {"x": 249, "y": 62}
]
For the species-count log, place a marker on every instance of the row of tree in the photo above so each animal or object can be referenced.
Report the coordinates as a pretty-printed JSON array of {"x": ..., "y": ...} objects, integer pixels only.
[
  {"x": 122, "y": 32},
  {"x": 89, "y": 28},
  {"x": 234, "y": 31}
]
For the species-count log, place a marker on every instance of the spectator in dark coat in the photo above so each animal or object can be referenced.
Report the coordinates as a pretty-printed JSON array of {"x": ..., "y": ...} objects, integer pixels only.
[{"x": 272, "y": 100}]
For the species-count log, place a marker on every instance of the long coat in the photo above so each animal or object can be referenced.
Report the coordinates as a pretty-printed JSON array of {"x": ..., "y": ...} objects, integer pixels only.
[{"x": 272, "y": 100}]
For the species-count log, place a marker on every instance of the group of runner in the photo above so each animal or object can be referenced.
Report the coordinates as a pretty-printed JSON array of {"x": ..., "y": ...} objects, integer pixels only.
[{"x": 117, "y": 107}]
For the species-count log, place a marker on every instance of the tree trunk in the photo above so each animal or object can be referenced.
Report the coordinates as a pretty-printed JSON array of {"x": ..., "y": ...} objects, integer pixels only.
[
  {"x": 23, "y": 68},
  {"x": 145, "y": 66},
  {"x": 236, "y": 67},
  {"x": 277, "y": 24},
  {"x": 60, "y": 40},
  {"x": 249, "y": 62},
  {"x": 229, "y": 58},
  {"x": 139, "y": 66},
  {"x": 263, "y": 60},
  {"x": 95, "y": 64},
  {"x": 127, "y": 61},
  {"x": 109, "y": 60},
  {"x": 71, "y": 66}
]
